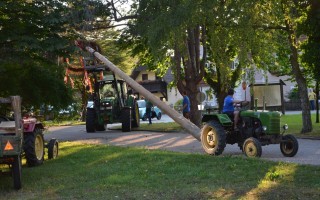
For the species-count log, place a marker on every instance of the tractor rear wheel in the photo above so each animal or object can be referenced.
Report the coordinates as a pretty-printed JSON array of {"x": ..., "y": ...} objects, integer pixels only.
[
  {"x": 252, "y": 147},
  {"x": 16, "y": 172},
  {"x": 213, "y": 138},
  {"x": 135, "y": 115},
  {"x": 53, "y": 149},
  {"x": 289, "y": 147},
  {"x": 126, "y": 119},
  {"x": 90, "y": 120},
  {"x": 34, "y": 147}
]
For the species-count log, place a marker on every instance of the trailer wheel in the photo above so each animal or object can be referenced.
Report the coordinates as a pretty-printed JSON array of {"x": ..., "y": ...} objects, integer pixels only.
[
  {"x": 289, "y": 147},
  {"x": 213, "y": 138},
  {"x": 53, "y": 149},
  {"x": 16, "y": 172},
  {"x": 126, "y": 119},
  {"x": 90, "y": 120},
  {"x": 135, "y": 115},
  {"x": 252, "y": 147},
  {"x": 34, "y": 147}
]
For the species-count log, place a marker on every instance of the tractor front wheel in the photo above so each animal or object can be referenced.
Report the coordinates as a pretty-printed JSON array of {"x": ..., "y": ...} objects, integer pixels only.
[
  {"x": 126, "y": 119},
  {"x": 252, "y": 147},
  {"x": 289, "y": 146},
  {"x": 213, "y": 138},
  {"x": 135, "y": 115},
  {"x": 34, "y": 147},
  {"x": 90, "y": 120}
]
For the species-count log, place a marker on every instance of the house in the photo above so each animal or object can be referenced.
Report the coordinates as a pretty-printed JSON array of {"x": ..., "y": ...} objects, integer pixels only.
[{"x": 150, "y": 81}]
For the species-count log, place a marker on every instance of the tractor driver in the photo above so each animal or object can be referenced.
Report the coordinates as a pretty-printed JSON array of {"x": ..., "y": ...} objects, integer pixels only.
[{"x": 228, "y": 108}]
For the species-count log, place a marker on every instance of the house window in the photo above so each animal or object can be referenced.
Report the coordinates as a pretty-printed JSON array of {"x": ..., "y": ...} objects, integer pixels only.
[{"x": 144, "y": 77}]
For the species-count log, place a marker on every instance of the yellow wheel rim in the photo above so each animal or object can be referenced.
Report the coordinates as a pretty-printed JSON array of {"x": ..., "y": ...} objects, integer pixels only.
[{"x": 39, "y": 147}]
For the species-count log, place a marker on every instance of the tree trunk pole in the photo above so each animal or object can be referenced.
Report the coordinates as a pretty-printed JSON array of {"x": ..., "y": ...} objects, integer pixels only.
[{"x": 186, "y": 124}]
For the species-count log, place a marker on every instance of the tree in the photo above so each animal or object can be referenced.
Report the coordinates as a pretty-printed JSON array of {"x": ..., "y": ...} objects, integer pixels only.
[
  {"x": 289, "y": 13},
  {"x": 310, "y": 26},
  {"x": 32, "y": 35},
  {"x": 184, "y": 26},
  {"x": 162, "y": 27}
]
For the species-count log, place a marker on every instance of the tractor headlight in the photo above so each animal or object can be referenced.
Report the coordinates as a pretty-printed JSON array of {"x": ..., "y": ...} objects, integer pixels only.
[
  {"x": 264, "y": 128},
  {"x": 285, "y": 127}
]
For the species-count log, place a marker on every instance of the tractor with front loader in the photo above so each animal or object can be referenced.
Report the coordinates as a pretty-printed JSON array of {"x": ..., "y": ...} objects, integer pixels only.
[
  {"x": 256, "y": 128},
  {"x": 109, "y": 101},
  {"x": 21, "y": 137}
]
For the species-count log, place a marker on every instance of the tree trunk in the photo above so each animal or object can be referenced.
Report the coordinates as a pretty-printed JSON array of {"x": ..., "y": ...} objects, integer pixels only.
[
  {"x": 302, "y": 84},
  {"x": 195, "y": 113}
]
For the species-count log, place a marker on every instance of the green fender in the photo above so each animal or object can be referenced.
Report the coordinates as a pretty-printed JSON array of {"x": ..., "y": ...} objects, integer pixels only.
[{"x": 222, "y": 118}]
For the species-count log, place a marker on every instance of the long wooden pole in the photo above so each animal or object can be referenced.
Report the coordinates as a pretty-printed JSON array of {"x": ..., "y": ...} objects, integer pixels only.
[{"x": 186, "y": 124}]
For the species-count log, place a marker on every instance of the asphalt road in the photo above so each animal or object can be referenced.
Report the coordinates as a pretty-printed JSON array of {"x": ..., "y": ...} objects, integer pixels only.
[{"x": 309, "y": 150}]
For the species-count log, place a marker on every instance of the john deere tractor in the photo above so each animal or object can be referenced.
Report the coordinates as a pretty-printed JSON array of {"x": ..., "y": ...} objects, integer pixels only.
[
  {"x": 256, "y": 128},
  {"x": 109, "y": 102}
]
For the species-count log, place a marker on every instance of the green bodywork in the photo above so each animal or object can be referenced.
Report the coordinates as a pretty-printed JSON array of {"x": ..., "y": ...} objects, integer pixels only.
[
  {"x": 268, "y": 119},
  {"x": 110, "y": 110}
]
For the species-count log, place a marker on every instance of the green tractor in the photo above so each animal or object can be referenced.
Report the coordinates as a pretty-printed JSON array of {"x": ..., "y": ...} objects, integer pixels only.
[
  {"x": 256, "y": 128},
  {"x": 110, "y": 101}
]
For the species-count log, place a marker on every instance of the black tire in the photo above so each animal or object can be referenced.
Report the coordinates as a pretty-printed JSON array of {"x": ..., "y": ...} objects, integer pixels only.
[
  {"x": 16, "y": 172},
  {"x": 126, "y": 119},
  {"x": 289, "y": 146},
  {"x": 34, "y": 147},
  {"x": 213, "y": 138},
  {"x": 100, "y": 127},
  {"x": 135, "y": 115},
  {"x": 159, "y": 116},
  {"x": 90, "y": 120},
  {"x": 252, "y": 147},
  {"x": 144, "y": 118},
  {"x": 53, "y": 149}
]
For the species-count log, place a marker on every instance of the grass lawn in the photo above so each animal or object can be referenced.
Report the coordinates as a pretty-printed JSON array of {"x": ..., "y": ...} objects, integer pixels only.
[
  {"x": 295, "y": 125},
  {"x": 108, "y": 172}
]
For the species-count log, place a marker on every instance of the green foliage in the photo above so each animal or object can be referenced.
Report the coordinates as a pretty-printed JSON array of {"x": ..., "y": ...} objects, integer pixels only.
[
  {"x": 32, "y": 36},
  {"x": 36, "y": 83},
  {"x": 310, "y": 26},
  {"x": 293, "y": 94}
]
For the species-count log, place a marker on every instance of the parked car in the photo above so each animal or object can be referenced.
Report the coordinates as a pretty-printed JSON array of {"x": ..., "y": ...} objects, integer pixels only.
[{"x": 156, "y": 112}]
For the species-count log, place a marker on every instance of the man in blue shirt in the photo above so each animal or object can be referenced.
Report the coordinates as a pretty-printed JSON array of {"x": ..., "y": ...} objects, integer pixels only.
[
  {"x": 228, "y": 107},
  {"x": 186, "y": 105}
]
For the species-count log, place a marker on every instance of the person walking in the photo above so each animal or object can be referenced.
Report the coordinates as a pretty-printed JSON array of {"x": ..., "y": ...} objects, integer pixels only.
[
  {"x": 312, "y": 97},
  {"x": 186, "y": 105},
  {"x": 149, "y": 106}
]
